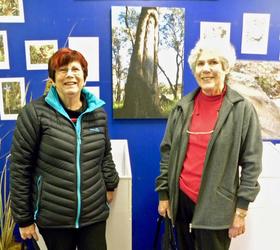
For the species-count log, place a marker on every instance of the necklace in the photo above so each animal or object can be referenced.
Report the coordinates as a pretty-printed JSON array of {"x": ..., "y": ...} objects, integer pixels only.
[{"x": 197, "y": 113}]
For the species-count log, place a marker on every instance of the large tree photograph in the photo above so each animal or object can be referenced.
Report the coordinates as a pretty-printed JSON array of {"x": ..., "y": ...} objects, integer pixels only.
[
  {"x": 259, "y": 82},
  {"x": 147, "y": 60}
]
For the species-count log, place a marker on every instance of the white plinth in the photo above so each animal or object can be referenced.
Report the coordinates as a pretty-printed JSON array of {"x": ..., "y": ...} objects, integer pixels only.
[
  {"x": 263, "y": 220},
  {"x": 119, "y": 223}
]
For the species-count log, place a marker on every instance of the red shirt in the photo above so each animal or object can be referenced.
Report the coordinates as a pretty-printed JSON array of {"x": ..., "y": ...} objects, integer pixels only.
[{"x": 204, "y": 117}]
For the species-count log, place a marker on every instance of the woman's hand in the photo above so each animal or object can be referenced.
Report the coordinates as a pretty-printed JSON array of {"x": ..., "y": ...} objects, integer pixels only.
[
  {"x": 28, "y": 232},
  {"x": 238, "y": 225},
  {"x": 110, "y": 196},
  {"x": 163, "y": 208}
]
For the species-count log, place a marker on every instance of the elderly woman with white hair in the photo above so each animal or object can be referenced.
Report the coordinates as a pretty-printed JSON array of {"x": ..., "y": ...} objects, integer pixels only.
[{"x": 211, "y": 155}]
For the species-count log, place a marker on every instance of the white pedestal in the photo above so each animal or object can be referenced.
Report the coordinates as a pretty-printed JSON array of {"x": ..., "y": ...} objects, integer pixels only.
[
  {"x": 119, "y": 223},
  {"x": 263, "y": 220}
]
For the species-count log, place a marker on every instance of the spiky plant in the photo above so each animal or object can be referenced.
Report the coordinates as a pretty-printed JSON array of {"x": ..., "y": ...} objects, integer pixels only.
[{"x": 6, "y": 220}]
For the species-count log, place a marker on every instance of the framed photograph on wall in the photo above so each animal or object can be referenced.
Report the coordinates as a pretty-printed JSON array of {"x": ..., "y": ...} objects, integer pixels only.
[
  {"x": 4, "y": 54},
  {"x": 12, "y": 97},
  {"x": 38, "y": 53},
  {"x": 11, "y": 11},
  {"x": 147, "y": 61},
  {"x": 258, "y": 82}
]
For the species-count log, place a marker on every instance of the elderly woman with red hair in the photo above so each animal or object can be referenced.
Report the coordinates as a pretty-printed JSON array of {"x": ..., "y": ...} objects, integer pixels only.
[{"x": 62, "y": 172}]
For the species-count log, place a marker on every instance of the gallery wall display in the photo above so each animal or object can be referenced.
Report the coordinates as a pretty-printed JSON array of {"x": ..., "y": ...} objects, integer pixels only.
[
  {"x": 12, "y": 97},
  {"x": 259, "y": 82},
  {"x": 89, "y": 47},
  {"x": 4, "y": 52},
  {"x": 11, "y": 11},
  {"x": 38, "y": 53},
  {"x": 111, "y": 32},
  {"x": 255, "y": 33},
  {"x": 147, "y": 60}
]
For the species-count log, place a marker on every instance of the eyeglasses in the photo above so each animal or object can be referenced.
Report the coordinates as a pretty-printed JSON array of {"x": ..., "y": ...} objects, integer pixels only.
[{"x": 65, "y": 71}]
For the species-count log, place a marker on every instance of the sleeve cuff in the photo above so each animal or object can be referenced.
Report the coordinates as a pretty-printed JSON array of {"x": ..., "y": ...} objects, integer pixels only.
[
  {"x": 25, "y": 224},
  {"x": 242, "y": 203},
  {"x": 163, "y": 196}
]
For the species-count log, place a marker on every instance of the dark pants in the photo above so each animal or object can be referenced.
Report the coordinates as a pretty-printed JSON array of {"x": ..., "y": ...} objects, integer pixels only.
[
  {"x": 197, "y": 239},
  {"x": 90, "y": 237}
]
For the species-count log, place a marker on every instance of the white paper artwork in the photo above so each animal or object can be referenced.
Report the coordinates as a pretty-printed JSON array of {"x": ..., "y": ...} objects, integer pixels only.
[
  {"x": 89, "y": 47},
  {"x": 94, "y": 90},
  {"x": 215, "y": 30},
  {"x": 255, "y": 33}
]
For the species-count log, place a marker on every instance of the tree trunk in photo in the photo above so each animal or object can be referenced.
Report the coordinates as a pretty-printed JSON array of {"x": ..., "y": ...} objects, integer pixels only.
[
  {"x": 119, "y": 73},
  {"x": 118, "y": 91},
  {"x": 118, "y": 70},
  {"x": 141, "y": 89}
]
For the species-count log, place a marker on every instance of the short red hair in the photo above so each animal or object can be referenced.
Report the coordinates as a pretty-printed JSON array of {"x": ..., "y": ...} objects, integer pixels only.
[{"x": 63, "y": 57}]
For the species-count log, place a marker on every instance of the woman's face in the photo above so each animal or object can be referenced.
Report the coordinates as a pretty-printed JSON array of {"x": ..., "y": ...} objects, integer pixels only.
[
  {"x": 69, "y": 80},
  {"x": 210, "y": 73}
]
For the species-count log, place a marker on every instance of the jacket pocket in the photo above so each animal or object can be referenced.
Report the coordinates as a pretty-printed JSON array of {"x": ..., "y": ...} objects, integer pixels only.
[
  {"x": 38, "y": 196},
  {"x": 225, "y": 193},
  {"x": 105, "y": 193}
]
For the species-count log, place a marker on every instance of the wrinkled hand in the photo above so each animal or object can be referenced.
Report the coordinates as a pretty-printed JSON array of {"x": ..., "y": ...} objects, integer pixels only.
[
  {"x": 28, "y": 232},
  {"x": 110, "y": 196},
  {"x": 238, "y": 226},
  {"x": 163, "y": 208}
]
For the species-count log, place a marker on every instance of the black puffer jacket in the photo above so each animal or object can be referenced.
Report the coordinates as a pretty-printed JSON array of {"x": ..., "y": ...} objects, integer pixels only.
[{"x": 60, "y": 172}]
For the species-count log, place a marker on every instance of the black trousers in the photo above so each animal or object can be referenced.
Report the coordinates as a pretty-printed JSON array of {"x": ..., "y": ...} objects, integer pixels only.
[
  {"x": 90, "y": 237},
  {"x": 197, "y": 239}
]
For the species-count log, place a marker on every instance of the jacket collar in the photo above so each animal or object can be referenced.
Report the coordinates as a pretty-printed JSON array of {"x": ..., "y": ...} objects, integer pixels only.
[
  {"x": 92, "y": 101},
  {"x": 186, "y": 102}
]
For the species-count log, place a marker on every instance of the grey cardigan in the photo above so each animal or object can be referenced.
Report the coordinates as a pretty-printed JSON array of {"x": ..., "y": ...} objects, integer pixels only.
[{"x": 236, "y": 141}]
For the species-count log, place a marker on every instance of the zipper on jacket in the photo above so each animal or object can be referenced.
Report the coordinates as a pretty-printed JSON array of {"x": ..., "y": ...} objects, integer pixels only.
[
  {"x": 77, "y": 127},
  {"x": 184, "y": 120},
  {"x": 78, "y": 178},
  {"x": 53, "y": 100},
  {"x": 38, "y": 185}
]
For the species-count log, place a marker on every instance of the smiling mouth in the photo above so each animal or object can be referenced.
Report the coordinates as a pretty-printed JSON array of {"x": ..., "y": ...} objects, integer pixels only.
[
  {"x": 69, "y": 83},
  {"x": 207, "y": 78}
]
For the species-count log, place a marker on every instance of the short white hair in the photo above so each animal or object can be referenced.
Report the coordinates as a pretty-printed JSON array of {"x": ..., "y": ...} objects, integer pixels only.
[{"x": 224, "y": 49}]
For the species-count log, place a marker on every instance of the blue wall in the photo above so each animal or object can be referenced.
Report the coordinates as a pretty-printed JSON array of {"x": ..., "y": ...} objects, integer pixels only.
[{"x": 53, "y": 20}]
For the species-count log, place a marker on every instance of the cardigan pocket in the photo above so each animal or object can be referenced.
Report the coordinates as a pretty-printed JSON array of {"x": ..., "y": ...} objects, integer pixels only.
[{"x": 225, "y": 193}]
